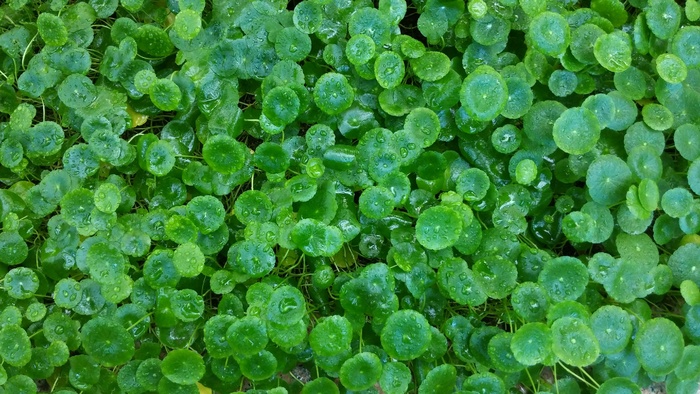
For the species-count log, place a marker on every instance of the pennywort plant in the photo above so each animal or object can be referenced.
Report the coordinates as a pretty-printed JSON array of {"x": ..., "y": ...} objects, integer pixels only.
[{"x": 326, "y": 196}]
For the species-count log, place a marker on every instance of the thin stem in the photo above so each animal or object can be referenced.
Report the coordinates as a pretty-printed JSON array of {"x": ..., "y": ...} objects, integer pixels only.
[
  {"x": 532, "y": 381},
  {"x": 589, "y": 377},
  {"x": 24, "y": 54},
  {"x": 579, "y": 377},
  {"x": 139, "y": 321},
  {"x": 295, "y": 378}
]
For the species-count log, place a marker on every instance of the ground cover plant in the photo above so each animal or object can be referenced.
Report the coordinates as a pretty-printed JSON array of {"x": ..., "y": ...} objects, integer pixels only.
[{"x": 328, "y": 196}]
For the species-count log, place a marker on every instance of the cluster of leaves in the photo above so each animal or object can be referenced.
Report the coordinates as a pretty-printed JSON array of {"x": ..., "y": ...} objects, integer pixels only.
[{"x": 433, "y": 197}]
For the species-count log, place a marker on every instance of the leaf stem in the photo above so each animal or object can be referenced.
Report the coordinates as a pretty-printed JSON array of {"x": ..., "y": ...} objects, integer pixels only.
[
  {"x": 139, "y": 321},
  {"x": 24, "y": 54}
]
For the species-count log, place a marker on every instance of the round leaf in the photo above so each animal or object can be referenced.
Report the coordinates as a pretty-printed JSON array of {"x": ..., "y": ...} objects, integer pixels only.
[
  {"x": 361, "y": 371},
  {"x": 658, "y": 346},
  {"x": 574, "y": 342},
  {"x": 406, "y": 335},
  {"x": 183, "y": 366},
  {"x": 576, "y": 131},
  {"x": 438, "y": 228},
  {"x": 107, "y": 342}
]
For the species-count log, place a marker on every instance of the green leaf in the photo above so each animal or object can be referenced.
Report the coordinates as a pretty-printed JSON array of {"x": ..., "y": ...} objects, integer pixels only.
[
  {"x": 259, "y": 366},
  {"x": 574, "y": 342},
  {"x": 188, "y": 23},
  {"x": 677, "y": 202},
  {"x": 107, "y": 342},
  {"x": 658, "y": 346},
  {"x": 631, "y": 83},
  {"x": 438, "y": 228},
  {"x": 331, "y": 336},
  {"x": 67, "y": 293},
  {"x": 15, "y": 346},
  {"x": 77, "y": 91},
  {"x": 613, "y": 51},
  {"x": 612, "y": 327},
  {"x": 252, "y": 258},
  {"x": 549, "y": 33},
  {"x": 532, "y": 344},
  {"x": 286, "y": 306},
  {"x": 272, "y": 158},
  {"x": 281, "y": 105},
  {"x": 46, "y": 139},
  {"x": 247, "y": 336},
  {"x": 433, "y": 25},
  {"x": 530, "y": 301},
  {"x": 149, "y": 373},
  {"x": 562, "y": 83},
  {"x": 15, "y": 249},
  {"x": 459, "y": 282},
  {"x": 682, "y": 45},
  {"x": 619, "y": 385},
  {"x": 316, "y": 239},
  {"x": 406, "y": 335},
  {"x": 51, "y": 29},
  {"x": 686, "y": 138},
  {"x": 432, "y": 66},
  {"x": 496, "y": 275},
  {"x": 322, "y": 384},
  {"x": 520, "y": 98},
  {"x": 159, "y": 269},
  {"x": 576, "y": 131},
  {"x": 153, "y": 41},
  {"x": 671, "y": 68},
  {"x": 105, "y": 262},
  {"x": 608, "y": 179},
  {"x": 370, "y": 21},
  {"x": 685, "y": 263},
  {"x": 165, "y": 94},
  {"x": 657, "y": 117},
  {"x": 21, "y": 283},
  {"x": 224, "y": 154},
  {"x": 376, "y": 202},
  {"x": 501, "y": 355},
  {"x": 395, "y": 377},
  {"x": 183, "y": 366},
  {"x": 440, "y": 379},
  {"x": 160, "y": 158},
  {"x": 490, "y": 30},
  {"x": 484, "y": 93},
  {"x": 187, "y": 305},
  {"x": 689, "y": 365},
  {"x": 638, "y": 248},
  {"x": 424, "y": 126},
  {"x": 361, "y": 371},
  {"x": 107, "y": 198},
  {"x": 564, "y": 278},
  {"x": 206, "y": 212},
  {"x": 360, "y": 49},
  {"x": 308, "y": 16},
  {"x": 484, "y": 382},
  {"x": 333, "y": 93},
  {"x": 663, "y": 18}
]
